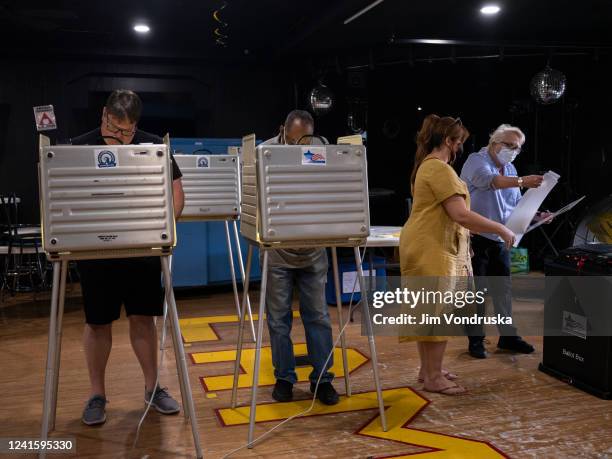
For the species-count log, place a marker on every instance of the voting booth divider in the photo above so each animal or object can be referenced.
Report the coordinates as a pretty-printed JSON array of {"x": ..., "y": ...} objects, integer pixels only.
[
  {"x": 200, "y": 257},
  {"x": 303, "y": 196},
  {"x": 211, "y": 184},
  {"x": 101, "y": 202}
]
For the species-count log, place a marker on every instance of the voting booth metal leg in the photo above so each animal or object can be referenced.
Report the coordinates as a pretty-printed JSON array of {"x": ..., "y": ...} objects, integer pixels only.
[
  {"x": 370, "y": 332},
  {"x": 162, "y": 341},
  {"x": 58, "y": 348},
  {"x": 337, "y": 285},
  {"x": 245, "y": 297},
  {"x": 234, "y": 282},
  {"x": 51, "y": 351},
  {"x": 162, "y": 338},
  {"x": 181, "y": 363},
  {"x": 176, "y": 342},
  {"x": 231, "y": 264},
  {"x": 260, "y": 321},
  {"x": 241, "y": 266}
]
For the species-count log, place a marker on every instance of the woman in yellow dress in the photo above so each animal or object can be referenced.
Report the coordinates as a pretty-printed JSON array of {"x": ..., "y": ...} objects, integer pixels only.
[{"x": 435, "y": 240}]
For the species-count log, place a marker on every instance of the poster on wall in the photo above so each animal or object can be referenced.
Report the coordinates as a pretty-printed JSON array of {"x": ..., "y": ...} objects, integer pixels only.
[{"x": 44, "y": 115}]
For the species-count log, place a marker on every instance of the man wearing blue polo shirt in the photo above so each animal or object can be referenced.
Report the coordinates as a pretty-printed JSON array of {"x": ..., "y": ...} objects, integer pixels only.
[{"x": 495, "y": 190}]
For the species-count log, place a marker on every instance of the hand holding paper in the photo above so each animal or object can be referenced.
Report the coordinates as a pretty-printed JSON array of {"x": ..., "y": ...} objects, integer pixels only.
[{"x": 529, "y": 204}]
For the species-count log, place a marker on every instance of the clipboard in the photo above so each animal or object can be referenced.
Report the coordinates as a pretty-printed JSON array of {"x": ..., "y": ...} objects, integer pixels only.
[{"x": 562, "y": 210}]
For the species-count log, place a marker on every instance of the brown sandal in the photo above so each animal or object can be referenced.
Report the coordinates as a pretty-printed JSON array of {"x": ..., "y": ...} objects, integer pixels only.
[
  {"x": 452, "y": 390},
  {"x": 447, "y": 374}
]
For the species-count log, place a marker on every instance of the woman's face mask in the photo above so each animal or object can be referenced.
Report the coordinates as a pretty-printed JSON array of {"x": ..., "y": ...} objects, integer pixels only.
[
  {"x": 454, "y": 154},
  {"x": 507, "y": 155}
]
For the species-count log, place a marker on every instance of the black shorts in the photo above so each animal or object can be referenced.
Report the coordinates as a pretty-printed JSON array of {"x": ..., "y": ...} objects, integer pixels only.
[{"x": 133, "y": 282}]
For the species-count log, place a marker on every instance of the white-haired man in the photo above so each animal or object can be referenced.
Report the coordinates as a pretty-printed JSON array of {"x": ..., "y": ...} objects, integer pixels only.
[{"x": 495, "y": 189}]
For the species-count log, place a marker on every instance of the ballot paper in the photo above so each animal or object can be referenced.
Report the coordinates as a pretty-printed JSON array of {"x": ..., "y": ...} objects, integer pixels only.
[
  {"x": 562, "y": 210},
  {"x": 525, "y": 210},
  {"x": 350, "y": 140}
]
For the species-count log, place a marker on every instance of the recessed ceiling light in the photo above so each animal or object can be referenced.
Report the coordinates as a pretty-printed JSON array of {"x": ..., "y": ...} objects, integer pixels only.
[
  {"x": 142, "y": 28},
  {"x": 490, "y": 9},
  {"x": 419, "y": 108}
]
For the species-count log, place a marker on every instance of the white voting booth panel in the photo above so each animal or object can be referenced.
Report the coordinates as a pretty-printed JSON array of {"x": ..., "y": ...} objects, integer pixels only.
[
  {"x": 211, "y": 184},
  {"x": 105, "y": 198},
  {"x": 315, "y": 194},
  {"x": 303, "y": 196},
  {"x": 99, "y": 202}
]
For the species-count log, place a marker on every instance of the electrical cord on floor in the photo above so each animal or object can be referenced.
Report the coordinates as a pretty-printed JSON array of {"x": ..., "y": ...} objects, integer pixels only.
[
  {"x": 161, "y": 361},
  {"x": 314, "y": 398}
]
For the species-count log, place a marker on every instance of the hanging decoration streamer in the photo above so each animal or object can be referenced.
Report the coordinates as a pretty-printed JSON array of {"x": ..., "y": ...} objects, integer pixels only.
[{"x": 219, "y": 32}]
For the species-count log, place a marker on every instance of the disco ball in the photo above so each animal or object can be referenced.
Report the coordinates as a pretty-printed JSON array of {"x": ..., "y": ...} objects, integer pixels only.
[
  {"x": 321, "y": 99},
  {"x": 547, "y": 86}
]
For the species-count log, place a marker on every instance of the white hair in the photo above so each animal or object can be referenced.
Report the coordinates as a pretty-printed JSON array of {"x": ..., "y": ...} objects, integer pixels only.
[{"x": 497, "y": 135}]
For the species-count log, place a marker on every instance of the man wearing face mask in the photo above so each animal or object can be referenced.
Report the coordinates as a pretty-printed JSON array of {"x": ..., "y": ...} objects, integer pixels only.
[
  {"x": 305, "y": 269},
  {"x": 495, "y": 190}
]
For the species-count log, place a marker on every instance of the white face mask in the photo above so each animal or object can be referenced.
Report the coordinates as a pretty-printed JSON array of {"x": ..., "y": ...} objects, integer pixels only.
[{"x": 506, "y": 155}]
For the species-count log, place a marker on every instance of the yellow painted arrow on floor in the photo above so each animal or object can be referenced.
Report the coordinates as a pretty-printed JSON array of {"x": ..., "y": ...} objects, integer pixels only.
[
  {"x": 402, "y": 404},
  {"x": 266, "y": 369},
  {"x": 198, "y": 329}
]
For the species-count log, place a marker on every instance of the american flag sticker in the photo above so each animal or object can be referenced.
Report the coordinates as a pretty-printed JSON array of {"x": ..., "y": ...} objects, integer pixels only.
[{"x": 314, "y": 156}]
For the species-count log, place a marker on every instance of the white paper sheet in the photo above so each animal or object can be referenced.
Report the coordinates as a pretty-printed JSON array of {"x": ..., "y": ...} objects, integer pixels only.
[
  {"x": 562, "y": 210},
  {"x": 349, "y": 280},
  {"x": 529, "y": 204}
]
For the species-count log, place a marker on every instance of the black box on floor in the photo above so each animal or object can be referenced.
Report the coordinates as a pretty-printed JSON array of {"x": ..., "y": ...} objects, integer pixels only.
[{"x": 583, "y": 361}]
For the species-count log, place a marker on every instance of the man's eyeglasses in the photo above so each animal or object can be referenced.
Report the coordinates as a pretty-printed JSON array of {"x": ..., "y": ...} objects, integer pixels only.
[
  {"x": 116, "y": 130},
  {"x": 511, "y": 146}
]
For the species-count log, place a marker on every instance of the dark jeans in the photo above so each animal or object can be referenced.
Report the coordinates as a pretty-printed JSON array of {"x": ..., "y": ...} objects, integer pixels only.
[
  {"x": 310, "y": 282},
  {"x": 492, "y": 259}
]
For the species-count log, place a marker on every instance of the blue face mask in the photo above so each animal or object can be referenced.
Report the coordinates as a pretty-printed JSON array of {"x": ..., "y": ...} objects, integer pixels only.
[{"x": 506, "y": 155}]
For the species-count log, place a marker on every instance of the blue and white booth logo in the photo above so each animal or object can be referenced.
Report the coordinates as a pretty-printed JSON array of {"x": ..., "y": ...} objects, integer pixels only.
[
  {"x": 106, "y": 158},
  {"x": 203, "y": 161}
]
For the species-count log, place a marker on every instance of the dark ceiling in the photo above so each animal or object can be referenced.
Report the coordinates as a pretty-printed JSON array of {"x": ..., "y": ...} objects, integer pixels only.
[{"x": 263, "y": 29}]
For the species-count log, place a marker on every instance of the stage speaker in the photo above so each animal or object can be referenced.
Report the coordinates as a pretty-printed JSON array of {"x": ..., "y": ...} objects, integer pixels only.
[{"x": 572, "y": 355}]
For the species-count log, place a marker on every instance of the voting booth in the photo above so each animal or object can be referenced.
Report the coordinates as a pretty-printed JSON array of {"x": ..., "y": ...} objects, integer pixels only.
[
  {"x": 211, "y": 184},
  {"x": 106, "y": 201},
  {"x": 297, "y": 196}
]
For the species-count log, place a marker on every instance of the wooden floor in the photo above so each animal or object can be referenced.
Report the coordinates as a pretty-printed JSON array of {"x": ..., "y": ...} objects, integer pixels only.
[{"x": 517, "y": 410}]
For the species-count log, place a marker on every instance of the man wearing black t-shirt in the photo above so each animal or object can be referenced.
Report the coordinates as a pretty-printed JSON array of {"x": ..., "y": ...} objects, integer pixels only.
[{"x": 136, "y": 281}]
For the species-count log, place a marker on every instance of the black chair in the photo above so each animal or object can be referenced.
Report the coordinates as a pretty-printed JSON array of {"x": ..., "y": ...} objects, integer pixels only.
[{"x": 21, "y": 244}]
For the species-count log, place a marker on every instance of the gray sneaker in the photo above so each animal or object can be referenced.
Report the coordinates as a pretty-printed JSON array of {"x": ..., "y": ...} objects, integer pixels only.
[
  {"x": 162, "y": 401},
  {"x": 94, "y": 412}
]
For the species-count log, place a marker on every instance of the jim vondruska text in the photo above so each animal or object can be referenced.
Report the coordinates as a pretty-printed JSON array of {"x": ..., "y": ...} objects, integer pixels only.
[{"x": 447, "y": 319}]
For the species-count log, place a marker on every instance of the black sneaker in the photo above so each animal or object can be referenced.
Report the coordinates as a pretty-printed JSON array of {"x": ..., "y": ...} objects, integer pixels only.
[
  {"x": 326, "y": 393},
  {"x": 515, "y": 344},
  {"x": 283, "y": 391},
  {"x": 94, "y": 412},
  {"x": 477, "y": 349}
]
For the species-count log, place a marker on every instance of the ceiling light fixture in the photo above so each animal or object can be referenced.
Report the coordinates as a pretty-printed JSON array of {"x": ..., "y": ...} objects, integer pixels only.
[
  {"x": 490, "y": 10},
  {"x": 142, "y": 28},
  {"x": 362, "y": 11}
]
